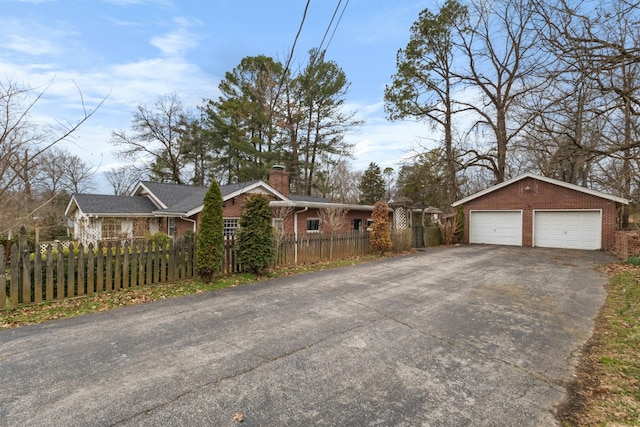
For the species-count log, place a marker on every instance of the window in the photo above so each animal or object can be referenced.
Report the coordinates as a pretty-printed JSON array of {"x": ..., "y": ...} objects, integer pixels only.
[
  {"x": 171, "y": 226},
  {"x": 111, "y": 228},
  {"x": 278, "y": 226},
  {"x": 313, "y": 225},
  {"x": 230, "y": 225}
]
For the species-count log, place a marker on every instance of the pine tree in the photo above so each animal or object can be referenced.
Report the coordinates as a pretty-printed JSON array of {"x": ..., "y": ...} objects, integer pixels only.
[
  {"x": 210, "y": 243},
  {"x": 372, "y": 186},
  {"x": 380, "y": 237},
  {"x": 256, "y": 240}
]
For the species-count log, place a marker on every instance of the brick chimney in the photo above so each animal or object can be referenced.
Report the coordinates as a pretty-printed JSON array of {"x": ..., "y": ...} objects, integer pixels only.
[{"x": 279, "y": 179}]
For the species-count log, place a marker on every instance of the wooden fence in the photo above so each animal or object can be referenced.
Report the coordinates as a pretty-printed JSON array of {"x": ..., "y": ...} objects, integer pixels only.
[{"x": 57, "y": 272}]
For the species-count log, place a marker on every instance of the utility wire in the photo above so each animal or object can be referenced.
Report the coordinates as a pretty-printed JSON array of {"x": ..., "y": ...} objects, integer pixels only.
[
  {"x": 335, "y": 12},
  {"x": 293, "y": 47},
  {"x": 286, "y": 68},
  {"x": 337, "y": 23}
]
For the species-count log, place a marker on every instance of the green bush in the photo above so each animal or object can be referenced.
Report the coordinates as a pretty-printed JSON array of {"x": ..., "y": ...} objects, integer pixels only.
[
  {"x": 380, "y": 236},
  {"x": 256, "y": 240},
  {"x": 634, "y": 260},
  {"x": 159, "y": 239},
  {"x": 210, "y": 241}
]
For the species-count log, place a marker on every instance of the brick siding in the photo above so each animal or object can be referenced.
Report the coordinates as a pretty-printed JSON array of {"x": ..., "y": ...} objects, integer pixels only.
[{"x": 543, "y": 195}]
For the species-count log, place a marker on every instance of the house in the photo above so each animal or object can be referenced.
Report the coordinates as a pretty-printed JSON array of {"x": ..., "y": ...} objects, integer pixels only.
[
  {"x": 175, "y": 210},
  {"x": 532, "y": 210}
]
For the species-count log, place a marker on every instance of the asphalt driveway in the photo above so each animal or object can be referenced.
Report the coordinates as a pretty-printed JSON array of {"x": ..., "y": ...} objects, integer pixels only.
[{"x": 473, "y": 335}]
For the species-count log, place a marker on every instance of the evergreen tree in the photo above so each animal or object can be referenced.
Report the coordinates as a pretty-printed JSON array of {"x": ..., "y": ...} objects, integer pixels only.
[
  {"x": 210, "y": 243},
  {"x": 380, "y": 237},
  {"x": 423, "y": 181},
  {"x": 372, "y": 185},
  {"x": 256, "y": 241}
]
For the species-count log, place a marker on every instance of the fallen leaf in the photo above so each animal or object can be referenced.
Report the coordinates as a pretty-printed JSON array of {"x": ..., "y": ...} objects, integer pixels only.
[{"x": 239, "y": 417}]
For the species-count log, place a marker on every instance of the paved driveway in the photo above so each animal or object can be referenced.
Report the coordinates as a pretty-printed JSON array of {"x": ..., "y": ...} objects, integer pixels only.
[{"x": 474, "y": 335}]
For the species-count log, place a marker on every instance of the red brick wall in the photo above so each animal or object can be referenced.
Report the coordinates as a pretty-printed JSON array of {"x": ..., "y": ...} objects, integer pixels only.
[
  {"x": 279, "y": 179},
  {"x": 315, "y": 213},
  {"x": 543, "y": 195}
]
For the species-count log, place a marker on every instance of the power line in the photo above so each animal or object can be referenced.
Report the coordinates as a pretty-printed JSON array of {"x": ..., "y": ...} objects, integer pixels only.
[
  {"x": 335, "y": 12},
  {"x": 337, "y": 23},
  {"x": 286, "y": 68},
  {"x": 293, "y": 47}
]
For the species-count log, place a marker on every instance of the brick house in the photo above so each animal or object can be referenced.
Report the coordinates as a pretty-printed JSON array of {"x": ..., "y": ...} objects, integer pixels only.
[
  {"x": 532, "y": 210},
  {"x": 175, "y": 209}
]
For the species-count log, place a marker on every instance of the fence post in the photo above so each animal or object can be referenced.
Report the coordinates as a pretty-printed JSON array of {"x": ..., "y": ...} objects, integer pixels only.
[
  {"x": 37, "y": 276},
  {"x": 3, "y": 280},
  {"x": 49, "y": 274},
  {"x": 26, "y": 266},
  {"x": 14, "y": 290}
]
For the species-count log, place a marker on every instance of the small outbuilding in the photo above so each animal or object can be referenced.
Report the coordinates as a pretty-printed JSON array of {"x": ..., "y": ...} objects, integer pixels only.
[{"x": 532, "y": 210}]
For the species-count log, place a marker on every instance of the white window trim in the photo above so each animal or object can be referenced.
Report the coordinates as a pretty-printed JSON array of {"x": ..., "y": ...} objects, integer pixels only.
[
  {"x": 225, "y": 228},
  {"x": 319, "y": 225}
]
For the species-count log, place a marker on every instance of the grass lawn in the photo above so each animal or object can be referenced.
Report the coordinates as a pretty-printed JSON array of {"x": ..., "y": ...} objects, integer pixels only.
[
  {"x": 606, "y": 391},
  {"x": 38, "y": 313}
]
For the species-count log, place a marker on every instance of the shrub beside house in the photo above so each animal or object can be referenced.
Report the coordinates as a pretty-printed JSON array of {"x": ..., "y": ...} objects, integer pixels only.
[{"x": 176, "y": 209}]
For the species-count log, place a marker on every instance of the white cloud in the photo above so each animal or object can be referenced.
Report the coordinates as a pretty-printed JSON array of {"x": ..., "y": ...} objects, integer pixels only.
[
  {"x": 175, "y": 43},
  {"x": 31, "y": 45},
  {"x": 34, "y": 38}
]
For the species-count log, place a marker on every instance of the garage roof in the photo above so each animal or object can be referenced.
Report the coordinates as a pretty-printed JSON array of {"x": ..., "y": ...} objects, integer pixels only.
[{"x": 545, "y": 179}]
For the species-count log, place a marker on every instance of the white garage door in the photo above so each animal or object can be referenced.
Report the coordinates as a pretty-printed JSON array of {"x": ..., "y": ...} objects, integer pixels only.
[
  {"x": 496, "y": 227},
  {"x": 569, "y": 229}
]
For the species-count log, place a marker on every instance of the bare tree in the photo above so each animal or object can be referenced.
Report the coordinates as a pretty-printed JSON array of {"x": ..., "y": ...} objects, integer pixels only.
[
  {"x": 336, "y": 181},
  {"x": 503, "y": 61},
  {"x": 22, "y": 140},
  {"x": 123, "y": 179},
  {"x": 25, "y": 145},
  {"x": 599, "y": 46},
  {"x": 59, "y": 170},
  {"x": 333, "y": 219},
  {"x": 157, "y": 139}
]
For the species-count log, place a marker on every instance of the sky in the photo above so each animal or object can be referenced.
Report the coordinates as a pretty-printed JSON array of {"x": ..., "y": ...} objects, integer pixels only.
[{"x": 134, "y": 51}]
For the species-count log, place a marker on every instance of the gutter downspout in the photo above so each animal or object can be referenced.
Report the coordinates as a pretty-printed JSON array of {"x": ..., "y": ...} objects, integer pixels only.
[
  {"x": 192, "y": 221},
  {"x": 295, "y": 234}
]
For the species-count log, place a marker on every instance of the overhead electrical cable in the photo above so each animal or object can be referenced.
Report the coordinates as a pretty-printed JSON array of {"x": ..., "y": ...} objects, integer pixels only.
[
  {"x": 335, "y": 12},
  {"x": 286, "y": 68},
  {"x": 337, "y": 23}
]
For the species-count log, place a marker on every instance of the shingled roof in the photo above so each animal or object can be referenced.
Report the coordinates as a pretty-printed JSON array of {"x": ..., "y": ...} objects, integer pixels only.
[
  {"x": 180, "y": 199},
  {"x": 157, "y": 198},
  {"x": 102, "y": 204}
]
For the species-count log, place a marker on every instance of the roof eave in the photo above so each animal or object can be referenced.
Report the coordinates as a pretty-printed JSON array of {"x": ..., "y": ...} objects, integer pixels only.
[
  {"x": 544, "y": 179},
  {"x": 320, "y": 205}
]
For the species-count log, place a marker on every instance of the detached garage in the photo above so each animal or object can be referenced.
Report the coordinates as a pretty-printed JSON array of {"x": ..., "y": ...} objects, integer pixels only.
[{"x": 532, "y": 210}]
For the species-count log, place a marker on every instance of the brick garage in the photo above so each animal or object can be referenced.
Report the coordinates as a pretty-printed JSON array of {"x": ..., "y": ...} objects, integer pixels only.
[{"x": 532, "y": 210}]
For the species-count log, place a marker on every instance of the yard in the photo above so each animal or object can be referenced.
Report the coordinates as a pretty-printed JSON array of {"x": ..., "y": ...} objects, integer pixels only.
[{"x": 606, "y": 390}]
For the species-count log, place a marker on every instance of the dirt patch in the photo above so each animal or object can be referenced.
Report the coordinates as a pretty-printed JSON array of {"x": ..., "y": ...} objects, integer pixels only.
[{"x": 586, "y": 386}]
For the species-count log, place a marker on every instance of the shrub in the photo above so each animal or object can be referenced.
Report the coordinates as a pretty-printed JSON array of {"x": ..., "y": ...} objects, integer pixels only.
[
  {"x": 634, "y": 260},
  {"x": 380, "y": 237},
  {"x": 159, "y": 239},
  {"x": 210, "y": 242},
  {"x": 256, "y": 242}
]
